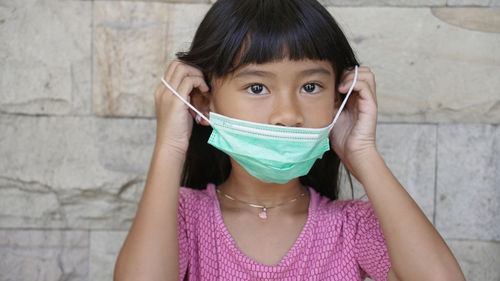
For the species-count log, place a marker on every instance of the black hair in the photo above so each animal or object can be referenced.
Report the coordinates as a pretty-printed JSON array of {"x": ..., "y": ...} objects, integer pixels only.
[{"x": 234, "y": 33}]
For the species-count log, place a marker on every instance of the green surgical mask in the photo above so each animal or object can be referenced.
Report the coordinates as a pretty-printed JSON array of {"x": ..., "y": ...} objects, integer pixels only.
[{"x": 270, "y": 153}]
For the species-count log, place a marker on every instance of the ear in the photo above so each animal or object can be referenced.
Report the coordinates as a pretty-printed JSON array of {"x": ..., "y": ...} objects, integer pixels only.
[{"x": 202, "y": 102}]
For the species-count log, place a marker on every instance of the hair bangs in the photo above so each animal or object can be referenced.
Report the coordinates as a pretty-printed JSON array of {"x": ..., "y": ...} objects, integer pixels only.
[{"x": 278, "y": 30}]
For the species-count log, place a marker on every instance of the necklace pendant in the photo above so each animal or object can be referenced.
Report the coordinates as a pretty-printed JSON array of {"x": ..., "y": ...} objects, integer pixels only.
[{"x": 263, "y": 214}]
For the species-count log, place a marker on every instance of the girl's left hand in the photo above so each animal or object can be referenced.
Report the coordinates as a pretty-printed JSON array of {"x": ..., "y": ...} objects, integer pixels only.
[{"x": 353, "y": 134}]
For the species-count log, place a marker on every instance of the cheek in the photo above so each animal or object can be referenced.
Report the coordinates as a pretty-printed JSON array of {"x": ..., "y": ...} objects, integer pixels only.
[
  {"x": 319, "y": 113},
  {"x": 229, "y": 102},
  {"x": 221, "y": 99}
]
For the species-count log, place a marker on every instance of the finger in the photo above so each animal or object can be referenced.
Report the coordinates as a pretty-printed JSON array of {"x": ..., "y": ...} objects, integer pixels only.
[
  {"x": 179, "y": 76},
  {"x": 171, "y": 69},
  {"x": 189, "y": 83},
  {"x": 365, "y": 75},
  {"x": 351, "y": 71},
  {"x": 178, "y": 70},
  {"x": 168, "y": 76},
  {"x": 187, "y": 86},
  {"x": 363, "y": 89},
  {"x": 181, "y": 71},
  {"x": 347, "y": 71}
]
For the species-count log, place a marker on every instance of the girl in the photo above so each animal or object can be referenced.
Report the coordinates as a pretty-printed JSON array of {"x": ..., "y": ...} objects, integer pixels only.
[{"x": 265, "y": 82}]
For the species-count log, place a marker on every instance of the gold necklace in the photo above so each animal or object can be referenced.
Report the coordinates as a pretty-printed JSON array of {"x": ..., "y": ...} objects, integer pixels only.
[{"x": 263, "y": 213}]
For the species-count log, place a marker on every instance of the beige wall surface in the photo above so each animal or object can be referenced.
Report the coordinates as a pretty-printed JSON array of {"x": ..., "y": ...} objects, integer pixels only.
[{"x": 77, "y": 121}]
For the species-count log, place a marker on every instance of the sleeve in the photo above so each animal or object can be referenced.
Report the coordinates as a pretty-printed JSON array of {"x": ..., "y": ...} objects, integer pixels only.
[
  {"x": 182, "y": 232},
  {"x": 370, "y": 247}
]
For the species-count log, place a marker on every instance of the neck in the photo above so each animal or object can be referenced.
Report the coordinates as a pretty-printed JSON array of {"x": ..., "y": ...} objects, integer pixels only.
[{"x": 245, "y": 187}]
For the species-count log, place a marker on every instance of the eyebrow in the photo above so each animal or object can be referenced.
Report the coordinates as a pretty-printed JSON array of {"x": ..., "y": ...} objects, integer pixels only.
[{"x": 311, "y": 71}]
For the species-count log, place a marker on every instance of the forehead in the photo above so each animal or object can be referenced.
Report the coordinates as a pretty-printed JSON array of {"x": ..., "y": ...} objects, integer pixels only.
[{"x": 286, "y": 66}]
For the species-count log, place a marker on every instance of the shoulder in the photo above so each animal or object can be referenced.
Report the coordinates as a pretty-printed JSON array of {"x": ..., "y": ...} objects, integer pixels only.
[
  {"x": 190, "y": 198},
  {"x": 191, "y": 193},
  {"x": 352, "y": 209},
  {"x": 357, "y": 208},
  {"x": 348, "y": 215}
]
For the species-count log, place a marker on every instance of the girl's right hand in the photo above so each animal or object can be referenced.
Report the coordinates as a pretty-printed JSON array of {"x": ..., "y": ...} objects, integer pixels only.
[{"x": 174, "y": 118}]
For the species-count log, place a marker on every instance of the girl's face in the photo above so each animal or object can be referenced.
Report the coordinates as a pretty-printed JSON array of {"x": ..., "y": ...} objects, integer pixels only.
[{"x": 287, "y": 93}]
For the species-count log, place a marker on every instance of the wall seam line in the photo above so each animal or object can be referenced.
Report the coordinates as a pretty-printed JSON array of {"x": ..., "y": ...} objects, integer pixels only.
[{"x": 436, "y": 163}]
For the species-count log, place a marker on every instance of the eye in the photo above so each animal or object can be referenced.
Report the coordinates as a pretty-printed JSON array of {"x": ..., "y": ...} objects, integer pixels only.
[
  {"x": 311, "y": 88},
  {"x": 257, "y": 89}
]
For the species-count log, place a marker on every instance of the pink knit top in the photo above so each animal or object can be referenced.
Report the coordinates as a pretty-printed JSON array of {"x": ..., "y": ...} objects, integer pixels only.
[{"x": 341, "y": 240}]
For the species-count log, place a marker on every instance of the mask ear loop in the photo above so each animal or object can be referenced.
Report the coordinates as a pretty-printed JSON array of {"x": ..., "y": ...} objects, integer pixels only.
[
  {"x": 348, "y": 94},
  {"x": 185, "y": 101}
]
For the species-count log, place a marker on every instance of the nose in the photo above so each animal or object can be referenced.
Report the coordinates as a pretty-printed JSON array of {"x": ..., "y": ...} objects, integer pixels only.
[{"x": 286, "y": 111}]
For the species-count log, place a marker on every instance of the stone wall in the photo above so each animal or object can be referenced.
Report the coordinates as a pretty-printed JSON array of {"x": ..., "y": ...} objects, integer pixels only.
[{"x": 77, "y": 124}]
